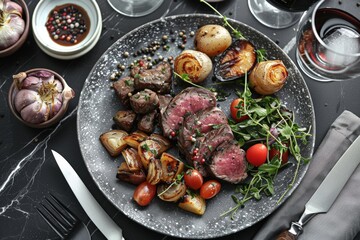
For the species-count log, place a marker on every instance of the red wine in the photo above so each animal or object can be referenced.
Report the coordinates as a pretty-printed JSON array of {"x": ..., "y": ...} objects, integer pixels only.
[
  {"x": 340, "y": 32},
  {"x": 292, "y": 5}
]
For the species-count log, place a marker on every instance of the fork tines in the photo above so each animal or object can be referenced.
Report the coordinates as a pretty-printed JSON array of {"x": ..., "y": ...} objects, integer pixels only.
[{"x": 57, "y": 215}]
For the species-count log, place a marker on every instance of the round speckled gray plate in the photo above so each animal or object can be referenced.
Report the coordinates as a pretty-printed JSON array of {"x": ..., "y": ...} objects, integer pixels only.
[{"x": 98, "y": 104}]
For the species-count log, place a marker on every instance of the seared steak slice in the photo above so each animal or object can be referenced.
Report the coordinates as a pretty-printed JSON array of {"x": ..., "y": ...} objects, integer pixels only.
[
  {"x": 147, "y": 122},
  {"x": 144, "y": 101},
  {"x": 164, "y": 101},
  {"x": 157, "y": 79},
  {"x": 125, "y": 119},
  {"x": 206, "y": 145},
  {"x": 123, "y": 88},
  {"x": 228, "y": 162},
  {"x": 196, "y": 125},
  {"x": 188, "y": 101}
]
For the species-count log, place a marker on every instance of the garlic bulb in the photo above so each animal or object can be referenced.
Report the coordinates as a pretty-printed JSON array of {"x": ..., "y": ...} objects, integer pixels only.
[
  {"x": 38, "y": 96},
  {"x": 12, "y": 25}
]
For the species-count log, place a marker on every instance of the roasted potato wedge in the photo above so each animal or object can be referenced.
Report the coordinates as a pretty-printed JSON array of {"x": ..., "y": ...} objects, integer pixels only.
[
  {"x": 135, "y": 138},
  {"x": 171, "y": 167},
  {"x": 164, "y": 142},
  {"x": 126, "y": 175},
  {"x": 114, "y": 142},
  {"x": 148, "y": 150},
  {"x": 193, "y": 203},
  {"x": 132, "y": 159},
  {"x": 154, "y": 172},
  {"x": 172, "y": 192}
]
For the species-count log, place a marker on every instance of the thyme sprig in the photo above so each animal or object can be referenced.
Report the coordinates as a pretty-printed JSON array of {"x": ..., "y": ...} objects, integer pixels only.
[
  {"x": 236, "y": 32},
  {"x": 269, "y": 122}
]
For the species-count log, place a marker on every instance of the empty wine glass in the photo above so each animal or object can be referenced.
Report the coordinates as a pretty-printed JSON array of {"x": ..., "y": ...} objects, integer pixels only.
[
  {"x": 135, "y": 8},
  {"x": 328, "y": 41},
  {"x": 278, "y": 13}
]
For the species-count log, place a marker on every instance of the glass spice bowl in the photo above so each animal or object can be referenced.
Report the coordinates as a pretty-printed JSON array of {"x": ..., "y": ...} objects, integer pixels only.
[
  {"x": 20, "y": 42},
  {"x": 67, "y": 94},
  {"x": 54, "y": 47}
]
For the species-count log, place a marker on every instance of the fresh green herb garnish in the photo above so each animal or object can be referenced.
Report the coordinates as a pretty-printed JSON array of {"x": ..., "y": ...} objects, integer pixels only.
[
  {"x": 261, "y": 55},
  {"x": 236, "y": 32},
  {"x": 269, "y": 122}
]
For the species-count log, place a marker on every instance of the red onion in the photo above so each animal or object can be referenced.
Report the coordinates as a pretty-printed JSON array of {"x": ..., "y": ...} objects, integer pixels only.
[{"x": 11, "y": 23}]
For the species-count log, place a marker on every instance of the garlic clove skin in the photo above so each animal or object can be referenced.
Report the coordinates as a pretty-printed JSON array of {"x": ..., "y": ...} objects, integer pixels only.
[
  {"x": 24, "y": 98},
  {"x": 42, "y": 74},
  {"x": 12, "y": 25},
  {"x": 11, "y": 6},
  {"x": 59, "y": 86},
  {"x": 55, "y": 106},
  {"x": 31, "y": 83},
  {"x": 37, "y": 112}
]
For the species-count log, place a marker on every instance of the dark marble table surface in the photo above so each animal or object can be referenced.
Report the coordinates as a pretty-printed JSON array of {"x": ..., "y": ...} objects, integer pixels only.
[{"x": 27, "y": 169}]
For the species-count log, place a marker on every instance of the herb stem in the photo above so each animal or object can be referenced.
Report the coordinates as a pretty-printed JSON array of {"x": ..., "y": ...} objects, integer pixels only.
[{"x": 237, "y": 33}]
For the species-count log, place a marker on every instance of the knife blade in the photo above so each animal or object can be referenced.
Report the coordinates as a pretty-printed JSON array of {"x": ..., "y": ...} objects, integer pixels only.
[
  {"x": 327, "y": 192},
  {"x": 93, "y": 209}
]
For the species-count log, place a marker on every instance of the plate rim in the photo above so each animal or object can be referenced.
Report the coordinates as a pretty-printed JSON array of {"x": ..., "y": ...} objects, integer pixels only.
[{"x": 231, "y": 20}]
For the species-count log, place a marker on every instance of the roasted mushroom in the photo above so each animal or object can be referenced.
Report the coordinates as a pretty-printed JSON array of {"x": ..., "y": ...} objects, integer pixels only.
[{"x": 236, "y": 61}]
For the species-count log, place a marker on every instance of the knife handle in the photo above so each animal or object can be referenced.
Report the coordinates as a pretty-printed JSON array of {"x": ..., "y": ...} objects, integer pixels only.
[{"x": 286, "y": 235}]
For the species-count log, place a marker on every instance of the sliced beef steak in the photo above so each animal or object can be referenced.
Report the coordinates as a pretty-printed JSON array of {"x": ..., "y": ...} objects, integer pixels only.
[
  {"x": 144, "y": 101},
  {"x": 196, "y": 125},
  {"x": 228, "y": 162},
  {"x": 123, "y": 88},
  {"x": 188, "y": 101},
  {"x": 206, "y": 145},
  {"x": 164, "y": 101},
  {"x": 157, "y": 79}
]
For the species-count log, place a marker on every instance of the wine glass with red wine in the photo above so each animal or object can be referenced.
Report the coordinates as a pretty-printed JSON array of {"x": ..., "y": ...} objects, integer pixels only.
[
  {"x": 135, "y": 8},
  {"x": 278, "y": 13},
  {"x": 328, "y": 41}
]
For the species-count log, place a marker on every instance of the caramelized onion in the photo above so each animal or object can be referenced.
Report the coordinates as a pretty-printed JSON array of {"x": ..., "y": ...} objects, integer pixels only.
[
  {"x": 268, "y": 77},
  {"x": 195, "y": 64},
  {"x": 171, "y": 193}
]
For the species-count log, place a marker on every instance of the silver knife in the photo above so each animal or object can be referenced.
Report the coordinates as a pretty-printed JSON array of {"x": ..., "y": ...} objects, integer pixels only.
[
  {"x": 93, "y": 209},
  {"x": 329, "y": 189}
]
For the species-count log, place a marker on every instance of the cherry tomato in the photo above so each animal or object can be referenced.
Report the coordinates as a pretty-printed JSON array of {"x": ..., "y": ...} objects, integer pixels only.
[
  {"x": 209, "y": 189},
  {"x": 275, "y": 152},
  {"x": 234, "y": 109},
  {"x": 193, "y": 179},
  {"x": 144, "y": 193},
  {"x": 256, "y": 154}
]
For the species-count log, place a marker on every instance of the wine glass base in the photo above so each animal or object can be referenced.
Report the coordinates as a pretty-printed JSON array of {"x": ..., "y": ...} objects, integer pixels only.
[
  {"x": 271, "y": 16},
  {"x": 135, "y": 8}
]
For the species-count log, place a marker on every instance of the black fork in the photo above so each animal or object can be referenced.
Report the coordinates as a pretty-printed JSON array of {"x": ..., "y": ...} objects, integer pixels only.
[{"x": 61, "y": 219}]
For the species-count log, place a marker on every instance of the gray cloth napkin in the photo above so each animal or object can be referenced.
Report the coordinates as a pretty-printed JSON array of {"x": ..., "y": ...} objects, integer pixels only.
[{"x": 342, "y": 221}]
